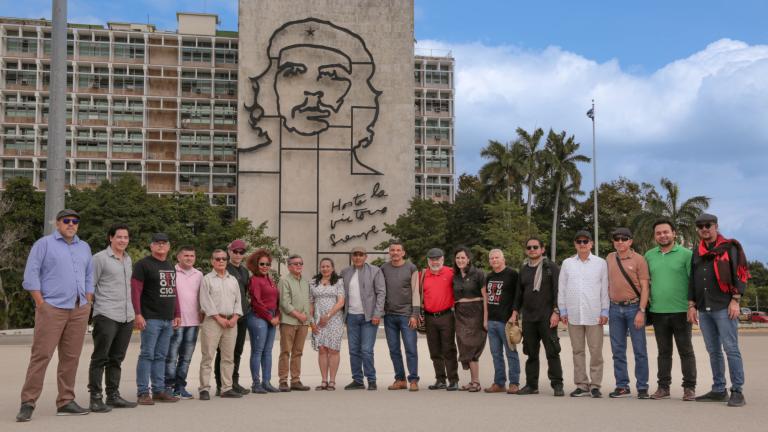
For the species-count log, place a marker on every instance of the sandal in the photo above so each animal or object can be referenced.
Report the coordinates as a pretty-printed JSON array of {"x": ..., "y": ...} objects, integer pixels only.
[
  {"x": 466, "y": 387},
  {"x": 474, "y": 387},
  {"x": 323, "y": 386},
  {"x": 331, "y": 386}
]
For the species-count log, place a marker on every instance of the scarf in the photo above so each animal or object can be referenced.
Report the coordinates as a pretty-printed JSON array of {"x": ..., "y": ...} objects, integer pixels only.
[
  {"x": 537, "y": 276},
  {"x": 722, "y": 264}
]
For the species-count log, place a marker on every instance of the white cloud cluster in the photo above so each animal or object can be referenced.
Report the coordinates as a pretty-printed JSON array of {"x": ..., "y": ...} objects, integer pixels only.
[{"x": 701, "y": 121}]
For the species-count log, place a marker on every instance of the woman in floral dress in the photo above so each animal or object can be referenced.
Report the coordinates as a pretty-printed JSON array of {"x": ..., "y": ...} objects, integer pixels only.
[{"x": 326, "y": 302}]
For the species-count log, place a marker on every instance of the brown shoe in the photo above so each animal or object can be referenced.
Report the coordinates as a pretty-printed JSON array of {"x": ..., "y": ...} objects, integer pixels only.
[
  {"x": 495, "y": 389},
  {"x": 413, "y": 386},
  {"x": 145, "y": 399},
  {"x": 513, "y": 388},
  {"x": 164, "y": 397},
  {"x": 298, "y": 386},
  {"x": 398, "y": 385},
  {"x": 689, "y": 394},
  {"x": 661, "y": 393}
]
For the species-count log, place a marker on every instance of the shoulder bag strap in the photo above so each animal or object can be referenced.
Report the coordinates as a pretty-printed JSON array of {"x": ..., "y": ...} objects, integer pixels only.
[{"x": 626, "y": 276}]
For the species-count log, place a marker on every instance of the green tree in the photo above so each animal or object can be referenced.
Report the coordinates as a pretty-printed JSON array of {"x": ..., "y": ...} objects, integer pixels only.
[
  {"x": 502, "y": 174},
  {"x": 503, "y": 231},
  {"x": 527, "y": 146},
  {"x": 421, "y": 227},
  {"x": 466, "y": 216},
  {"x": 560, "y": 163}
]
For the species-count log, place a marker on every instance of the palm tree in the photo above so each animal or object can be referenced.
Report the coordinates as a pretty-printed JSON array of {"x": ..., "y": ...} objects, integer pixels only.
[
  {"x": 502, "y": 173},
  {"x": 527, "y": 146},
  {"x": 560, "y": 163},
  {"x": 682, "y": 215}
]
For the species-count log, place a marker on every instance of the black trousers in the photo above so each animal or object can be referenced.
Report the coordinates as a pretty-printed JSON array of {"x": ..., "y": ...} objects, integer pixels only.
[
  {"x": 441, "y": 340},
  {"x": 669, "y": 326},
  {"x": 110, "y": 343},
  {"x": 242, "y": 331},
  {"x": 536, "y": 333}
]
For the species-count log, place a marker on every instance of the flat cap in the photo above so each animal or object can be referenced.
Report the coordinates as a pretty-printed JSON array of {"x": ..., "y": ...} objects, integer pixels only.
[
  {"x": 706, "y": 217},
  {"x": 160, "y": 237},
  {"x": 67, "y": 212},
  {"x": 358, "y": 249},
  {"x": 435, "y": 253},
  {"x": 622, "y": 231},
  {"x": 582, "y": 233}
]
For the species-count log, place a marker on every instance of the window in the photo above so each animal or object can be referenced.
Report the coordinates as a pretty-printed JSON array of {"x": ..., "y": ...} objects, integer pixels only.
[
  {"x": 195, "y": 114},
  {"x": 129, "y": 47},
  {"x": 21, "y": 45},
  {"x": 96, "y": 78},
  {"x": 226, "y": 52},
  {"x": 93, "y": 109},
  {"x": 131, "y": 110},
  {"x": 197, "y": 82},
  {"x": 93, "y": 49},
  {"x": 196, "y": 51},
  {"x": 131, "y": 78},
  {"x": 224, "y": 146},
  {"x": 20, "y": 106},
  {"x": 195, "y": 145},
  {"x": 225, "y": 83},
  {"x": 437, "y": 158},
  {"x": 224, "y": 114},
  {"x": 47, "y": 44},
  {"x": 23, "y": 142}
]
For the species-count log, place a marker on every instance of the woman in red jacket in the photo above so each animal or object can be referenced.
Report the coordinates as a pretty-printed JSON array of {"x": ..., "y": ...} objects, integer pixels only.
[{"x": 264, "y": 320}]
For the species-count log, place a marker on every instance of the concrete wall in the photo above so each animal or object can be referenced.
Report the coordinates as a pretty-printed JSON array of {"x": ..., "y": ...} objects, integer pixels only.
[{"x": 308, "y": 163}]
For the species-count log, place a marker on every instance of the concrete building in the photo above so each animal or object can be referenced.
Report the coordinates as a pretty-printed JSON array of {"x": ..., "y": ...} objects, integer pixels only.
[{"x": 162, "y": 106}]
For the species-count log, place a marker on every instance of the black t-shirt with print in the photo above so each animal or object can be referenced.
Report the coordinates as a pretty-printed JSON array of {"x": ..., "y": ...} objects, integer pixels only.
[
  {"x": 501, "y": 288},
  {"x": 158, "y": 298}
]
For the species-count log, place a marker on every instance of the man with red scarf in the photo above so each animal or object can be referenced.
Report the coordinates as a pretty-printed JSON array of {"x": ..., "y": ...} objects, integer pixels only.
[{"x": 718, "y": 278}]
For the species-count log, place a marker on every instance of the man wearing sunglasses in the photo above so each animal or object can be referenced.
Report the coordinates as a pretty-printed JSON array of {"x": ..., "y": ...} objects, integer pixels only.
[
  {"x": 719, "y": 276},
  {"x": 59, "y": 277},
  {"x": 583, "y": 302},
  {"x": 235, "y": 267},
  {"x": 294, "y": 319},
  {"x": 536, "y": 300},
  {"x": 628, "y": 291}
]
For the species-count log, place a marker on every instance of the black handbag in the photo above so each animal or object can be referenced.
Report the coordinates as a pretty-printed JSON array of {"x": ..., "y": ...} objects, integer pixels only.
[
  {"x": 421, "y": 322},
  {"x": 648, "y": 318}
]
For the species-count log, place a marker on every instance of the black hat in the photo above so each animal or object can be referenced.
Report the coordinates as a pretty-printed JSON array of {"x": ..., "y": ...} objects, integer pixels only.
[
  {"x": 621, "y": 231},
  {"x": 160, "y": 237},
  {"x": 706, "y": 217},
  {"x": 435, "y": 253},
  {"x": 582, "y": 233},
  {"x": 67, "y": 212}
]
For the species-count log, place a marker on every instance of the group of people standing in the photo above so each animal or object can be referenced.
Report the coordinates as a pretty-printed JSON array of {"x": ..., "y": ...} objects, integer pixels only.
[{"x": 458, "y": 308}]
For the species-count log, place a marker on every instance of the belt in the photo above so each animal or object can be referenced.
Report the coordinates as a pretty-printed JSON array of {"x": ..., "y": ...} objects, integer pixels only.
[
  {"x": 627, "y": 302},
  {"x": 437, "y": 314}
]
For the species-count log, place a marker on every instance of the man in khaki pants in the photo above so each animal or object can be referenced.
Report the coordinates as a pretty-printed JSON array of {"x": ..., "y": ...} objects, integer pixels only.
[
  {"x": 221, "y": 304},
  {"x": 294, "y": 318},
  {"x": 583, "y": 302}
]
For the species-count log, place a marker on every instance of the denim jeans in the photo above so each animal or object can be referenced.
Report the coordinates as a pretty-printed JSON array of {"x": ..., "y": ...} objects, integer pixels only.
[
  {"x": 262, "y": 338},
  {"x": 361, "y": 335},
  {"x": 180, "y": 351},
  {"x": 721, "y": 333},
  {"x": 497, "y": 339},
  {"x": 394, "y": 326},
  {"x": 621, "y": 319},
  {"x": 155, "y": 339}
]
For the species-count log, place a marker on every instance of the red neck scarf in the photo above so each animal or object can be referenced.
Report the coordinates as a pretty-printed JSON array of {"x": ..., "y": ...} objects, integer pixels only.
[{"x": 721, "y": 254}]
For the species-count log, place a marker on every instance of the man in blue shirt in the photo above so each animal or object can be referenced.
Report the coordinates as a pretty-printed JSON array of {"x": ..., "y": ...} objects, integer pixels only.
[{"x": 59, "y": 276}]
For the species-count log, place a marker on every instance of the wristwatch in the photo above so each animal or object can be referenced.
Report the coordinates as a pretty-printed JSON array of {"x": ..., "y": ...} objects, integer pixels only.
[{"x": 642, "y": 310}]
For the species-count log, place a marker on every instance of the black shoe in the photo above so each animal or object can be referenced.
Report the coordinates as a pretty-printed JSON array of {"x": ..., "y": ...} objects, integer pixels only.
[
  {"x": 218, "y": 391},
  {"x": 204, "y": 395},
  {"x": 559, "y": 391},
  {"x": 116, "y": 401},
  {"x": 713, "y": 396},
  {"x": 284, "y": 387},
  {"x": 452, "y": 386},
  {"x": 737, "y": 399},
  {"x": 439, "y": 385},
  {"x": 270, "y": 388},
  {"x": 643, "y": 394},
  {"x": 372, "y": 385},
  {"x": 528, "y": 390},
  {"x": 620, "y": 393},
  {"x": 354, "y": 385},
  {"x": 596, "y": 393},
  {"x": 579, "y": 393},
  {"x": 232, "y": 394},
  {"x": 98, "y": 406},
  {"x": 25, "y": 412},
  {"x": 258, "y": 389},
  {"x": 71, "y": 409},
  {"x": 240, "y": 389}
]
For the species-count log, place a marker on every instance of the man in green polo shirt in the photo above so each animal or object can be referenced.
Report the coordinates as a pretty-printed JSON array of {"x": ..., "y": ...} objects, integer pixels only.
[
  {"x": 294, "y": 319},
  {"x": 670, "y": 268}
]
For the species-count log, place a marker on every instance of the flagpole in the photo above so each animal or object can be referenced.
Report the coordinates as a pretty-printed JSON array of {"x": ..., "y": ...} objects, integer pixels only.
[{"x": 594, "y": 176}]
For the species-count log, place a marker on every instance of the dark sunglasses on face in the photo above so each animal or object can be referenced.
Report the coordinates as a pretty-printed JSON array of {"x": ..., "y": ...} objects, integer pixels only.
[
  {"x": 219, "y": 259},
  {"x": 238, "y": 251},
  {"x": 67, "y": 221},
  {"x": 707, "y": 225},
  {"x": 265, "y": 264},
  {"x": 582, "y": 241},
  {"x": 621, "y": 239},
  {"x": 532, "y": 247},
  {"x": 296, "y": 263}
]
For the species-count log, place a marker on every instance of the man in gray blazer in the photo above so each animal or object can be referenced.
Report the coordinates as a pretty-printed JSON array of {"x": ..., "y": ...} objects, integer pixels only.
[{"x": 365, "y": 292}]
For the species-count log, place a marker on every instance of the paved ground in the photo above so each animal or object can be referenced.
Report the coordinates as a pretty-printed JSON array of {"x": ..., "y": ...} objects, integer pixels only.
[{"x": 388, "y": 411}]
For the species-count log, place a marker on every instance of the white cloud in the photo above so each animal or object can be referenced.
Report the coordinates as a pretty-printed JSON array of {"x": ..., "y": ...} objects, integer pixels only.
[{"x": 700, "y": 120}]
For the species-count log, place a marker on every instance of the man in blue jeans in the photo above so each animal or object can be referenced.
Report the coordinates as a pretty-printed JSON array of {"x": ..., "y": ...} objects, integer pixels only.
[
  {"x": 153, "y": 291},
  {"x": 719, "y": 277},
  {"x": 501, "y": 289},
  {"x": 402, "y": 306},
  {"x": 364, "y": 306},
  {"x": 184, "y": 338},
  {"x": 628, "y": 278}
]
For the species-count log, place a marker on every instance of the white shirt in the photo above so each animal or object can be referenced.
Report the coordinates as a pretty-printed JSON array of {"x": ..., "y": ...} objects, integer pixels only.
[
  {"x": 355, "y": 302},
  {"x": 583, "y": 290}
]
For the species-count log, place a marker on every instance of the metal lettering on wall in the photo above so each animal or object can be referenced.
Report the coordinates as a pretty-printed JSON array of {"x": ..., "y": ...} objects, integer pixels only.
[{"x": 354, "y": 212}]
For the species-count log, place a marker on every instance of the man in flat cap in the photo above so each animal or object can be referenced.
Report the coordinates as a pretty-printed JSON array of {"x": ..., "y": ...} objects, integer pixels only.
[
  {"x": 719, "y": 276},
  {"x": 628, "y": 291},
  {"x": 437, "y": 280},
  {"x": 59, "y": 277},
  {"x": 364, "y": 291}
]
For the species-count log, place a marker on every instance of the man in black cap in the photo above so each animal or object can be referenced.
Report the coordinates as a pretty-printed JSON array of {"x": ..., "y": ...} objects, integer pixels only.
[
  {"x": 719, "y": 276},
  {"x": 153, "y": 291},
  {"x": 437, "y": 281}
]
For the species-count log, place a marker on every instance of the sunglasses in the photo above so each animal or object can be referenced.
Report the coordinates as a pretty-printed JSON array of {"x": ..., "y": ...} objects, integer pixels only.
[
  {"x": 582, "y": 241},
  {"x": 220, "y": 259},
  {"x": 534, "y": 247},
  {"x": 621, "y": 239},
  {"x": 265, "y": 264},
  {"x": 68, "y": 221},
  {"x": 707, "y": 225},
  {"x": 296, "y": 263},
  {"x": 238, "y": 251}
]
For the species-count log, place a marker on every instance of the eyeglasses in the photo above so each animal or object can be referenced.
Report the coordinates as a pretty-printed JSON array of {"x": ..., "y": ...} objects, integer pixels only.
[
  {"x": 532, "y": 247},
  {"x": 358, "y": 254},
  {"x": 265, "y": 264},
  {"x": 296, "y": 263},
  {"x": 582, "y": 241},
  {"x": 220, "y": 259},
  {"x": 621, "y": 239},
  {"x": 238, "y": 251},
  {"x": 68, "y": 221},
  {"x": 707, "y": 225}
]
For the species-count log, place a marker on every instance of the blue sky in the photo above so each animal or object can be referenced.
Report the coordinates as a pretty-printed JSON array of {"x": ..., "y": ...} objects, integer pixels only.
[{"x": 681, "y": 86}]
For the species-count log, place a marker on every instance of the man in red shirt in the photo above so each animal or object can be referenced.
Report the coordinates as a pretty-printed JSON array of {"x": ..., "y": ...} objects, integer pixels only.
[{"x": 437, "y": 281}]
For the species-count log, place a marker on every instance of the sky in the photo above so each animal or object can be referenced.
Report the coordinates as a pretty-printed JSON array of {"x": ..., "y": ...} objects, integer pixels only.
[{"x": 680, "y": 87}]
